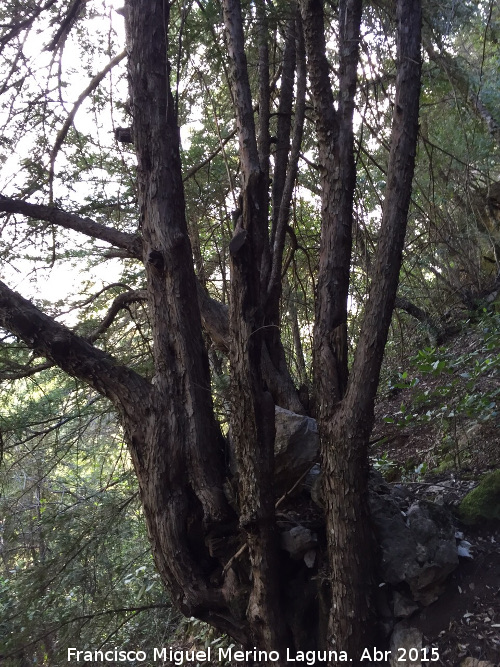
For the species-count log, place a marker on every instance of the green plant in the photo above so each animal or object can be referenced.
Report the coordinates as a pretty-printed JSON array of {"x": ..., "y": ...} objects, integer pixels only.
[
  {"x": 201, "y": 635},
  {"x": 384, "y": 465},
  {"x": 467, "y": 384}
]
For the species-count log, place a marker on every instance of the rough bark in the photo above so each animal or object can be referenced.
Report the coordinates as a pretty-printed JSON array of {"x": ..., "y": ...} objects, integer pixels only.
[
  {"x": 388, "y": 258},
  {"x": 336, "y": 158},
  {"x": 284, "y": 123},
  {"x": 214, "y": 315},
  {"x": 285, "y": 175},
  {"x": 75, "y": 355},
  {"x": 263, "y": 137},
  {"x": 181, "y": 477},
  {"x": 345, "y": 436},
  {"x": 343, "y": 459},
  {"x": 252, "y": 429}
]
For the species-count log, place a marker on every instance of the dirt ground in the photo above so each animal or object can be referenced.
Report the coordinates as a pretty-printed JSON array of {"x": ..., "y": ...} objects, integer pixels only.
[
  {"x": 465, "y": 620},
  {"x": 423, "y": 458}
]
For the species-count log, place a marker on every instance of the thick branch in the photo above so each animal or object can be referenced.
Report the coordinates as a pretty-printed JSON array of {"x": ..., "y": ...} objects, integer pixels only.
[
  {"x": 344, "y": 478},
  {"x": 427, "y": 320},
  {"x": 252, "y": 429},
  {"x": 71, "y": 353},
  {"x": 284, "y": 123},
  {"x": 369, "y": 353},
  {"x": 240, "y": 86},
  {"x": 130, "y": 242},
  {"x": 283, "y": 210},
  {"x": 263, "y": 141},
  {"x": 338, "y": 174},
  {"x": 66, "y": 25},
  {"x": 120, "y": 302},
  {"x": 215, "y": 318},
  {"x": 214, "y": 313},
  {"x": 181, "y": 483},
  {"x": 16, "y": 371}
]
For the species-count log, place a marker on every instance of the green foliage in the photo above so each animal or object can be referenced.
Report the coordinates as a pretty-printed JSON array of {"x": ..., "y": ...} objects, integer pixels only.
[
  {"x": 456, "y": 385},
  {"x": 385, "y": 466},
  {"x": 200, "y": 635},
  {"x": 73, "y": 528}
]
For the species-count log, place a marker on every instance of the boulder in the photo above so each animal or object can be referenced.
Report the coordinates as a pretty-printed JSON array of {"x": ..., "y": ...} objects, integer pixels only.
[
  {"x": 482, "y": 503},
  {"x": 406, "y": 644},
  {"x": 296, "y": 447},
  {"x": 298, "y": 541},
  {"x": 403, "y": 605},
  {"x": 417, "y": 548},
  {"x": 433, "y": 530}
]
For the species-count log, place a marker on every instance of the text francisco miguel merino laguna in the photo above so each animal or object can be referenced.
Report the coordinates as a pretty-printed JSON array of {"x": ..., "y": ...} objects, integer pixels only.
[{"x": 212, "y": 656}]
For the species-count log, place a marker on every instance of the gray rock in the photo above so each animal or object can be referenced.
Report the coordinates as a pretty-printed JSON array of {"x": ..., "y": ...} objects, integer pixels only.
[
  {"x": 420, "y": 551},
  {"x": 432, "y": 527},
  {"x": 403, "y": 605},
  {"x": 298, "y": 541},
  {"x": 296, "y": 447},
  {"x": 310, "y": 558},
  {"x": 312, "y": 476},
  {"x": 417, "y": 548},
  {"x": 435, "y": 489},
  {"x": 406, "y": 643},
  {"x": 396, "y": 542}
]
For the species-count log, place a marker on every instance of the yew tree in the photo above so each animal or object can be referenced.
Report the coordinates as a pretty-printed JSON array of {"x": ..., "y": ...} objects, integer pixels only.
[{"x": 292, "y": 71}]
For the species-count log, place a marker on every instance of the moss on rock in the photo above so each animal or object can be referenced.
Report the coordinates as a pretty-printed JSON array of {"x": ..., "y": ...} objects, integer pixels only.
[{"x": 483, "y": 502}]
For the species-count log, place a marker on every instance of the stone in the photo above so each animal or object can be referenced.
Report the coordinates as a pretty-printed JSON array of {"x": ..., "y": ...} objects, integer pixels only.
[
  {"x": 296, "y": 447},
  {"x": 298, "y": 541},
  {"x": 403, "y": 605},
  {"x": 420, "y": 551},
  {"x": 417, "y": 548},
  {"x": 310, "y": 558},
  {"x": 406, "y": 643},
  {"x": 482, "y": 503},
  {"x": 396, "y": 543},
  {"x": 312, "y": 476},
  {"x": 474, "y": 662},
  {"x": 433, "y": 530},
  {"x": 434, "y": 489}
]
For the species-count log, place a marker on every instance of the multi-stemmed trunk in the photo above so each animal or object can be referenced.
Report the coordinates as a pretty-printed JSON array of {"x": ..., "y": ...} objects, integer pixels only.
[{"x": 179, "y": 453}]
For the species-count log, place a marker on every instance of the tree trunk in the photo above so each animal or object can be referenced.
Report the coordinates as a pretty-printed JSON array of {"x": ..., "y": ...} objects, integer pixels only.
[
  {"x": 182, "y": 471},
  {"x": 345, "y": 431},
  {"x": 252, "y": 428}
]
